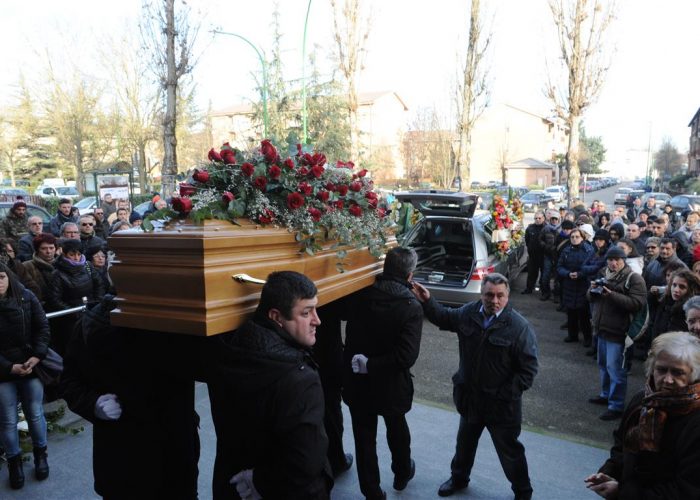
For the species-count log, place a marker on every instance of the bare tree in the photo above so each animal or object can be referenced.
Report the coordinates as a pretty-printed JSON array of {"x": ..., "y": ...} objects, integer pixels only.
[
  {"x": 668, "y": 161},
  {"x": 351, "y": 31},
  {"x": 170, "y": 37},
  {"x": 581, "y": 29},
  {"x": 427, "y": 149},
  {"x": 472, "y": 92},
  {"x": 138, "y": 98}
]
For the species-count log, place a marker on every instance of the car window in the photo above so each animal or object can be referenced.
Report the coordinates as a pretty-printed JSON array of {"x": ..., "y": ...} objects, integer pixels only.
[{"x": 67, "y": 191}]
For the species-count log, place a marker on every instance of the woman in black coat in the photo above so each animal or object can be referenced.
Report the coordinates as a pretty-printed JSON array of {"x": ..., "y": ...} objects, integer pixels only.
[
  {"x": 575, "y": 284},
  {"x": 24, "y": 340},
  {"x": 75, "y": 278}
]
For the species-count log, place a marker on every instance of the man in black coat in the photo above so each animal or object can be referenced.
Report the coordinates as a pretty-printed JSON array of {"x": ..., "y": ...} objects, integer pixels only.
[
  {"x": 535, "y": 253},
  {"x": 382, "y": 343},
  {"x": 497, "y": 362},
  {"x": 267, "y": 401}
]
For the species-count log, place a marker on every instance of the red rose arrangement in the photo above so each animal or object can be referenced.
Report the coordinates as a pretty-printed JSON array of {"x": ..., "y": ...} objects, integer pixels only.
[
  {"x": 300, "y": 191},
  {"x": 505, "y": 226}
]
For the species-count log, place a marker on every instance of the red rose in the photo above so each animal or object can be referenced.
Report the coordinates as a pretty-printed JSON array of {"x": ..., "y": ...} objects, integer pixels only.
[
  {"x": 362, "y": 172},
  {"x": 201, "y": 176},
  {"x": 187, "y": 189},
  {"x": 226, "y": 145},
  {"x": 323, "y": 195},
  {"x": 317, "y": 171},
  {"x": 355, "y": 210},
  {"x": 349, "y": 164},
  {"x": 227, "y": 197},
  {"x": 339, "y": 204},
  {"x": 330, "y": 186},
  {"x": 289, "y": 163},
  {"x": 381, "y": 213},
  {"x": 267, "y": 218},
  {"x": 298, "y": 149},
  {"x": 355, "y": 186},
  {"x": 275, "y": 172},
  {"x": 260, "y": 183},
  {"x": 268, "y": 151},
  {"x": 342, "y": 190},
  {"x": 213, "y": 155},
  {"x": 228, "y": 156},
  {"x": 372, "y": 198},
  {"x": 303, "y": 171},
  {"x": 305, "y": 188},
  {"x": 315, "y": 214},
  {"x": 182, "y": 205},
  {"x": 247, "y": 169},
  {"x": 295, "y": 200}
]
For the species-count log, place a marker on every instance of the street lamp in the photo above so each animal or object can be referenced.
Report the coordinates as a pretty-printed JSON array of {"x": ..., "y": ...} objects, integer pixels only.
[
  {"x": 261, "y": 57},
  {"x": 303, "y": 77}
]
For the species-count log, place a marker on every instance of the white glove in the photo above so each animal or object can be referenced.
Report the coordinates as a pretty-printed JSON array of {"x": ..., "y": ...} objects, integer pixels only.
[
  {"x": 359, "y": 363},
  {"x": 107, "y": 407},
  {"x": 244, "y": 485}
]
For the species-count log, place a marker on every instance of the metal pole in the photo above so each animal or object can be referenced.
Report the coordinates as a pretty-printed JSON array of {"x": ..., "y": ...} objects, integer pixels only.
[
  {"x": 65, "y": 312},
  {"x": 261, "y": 57},
  {"x": 303, "y": 77}
]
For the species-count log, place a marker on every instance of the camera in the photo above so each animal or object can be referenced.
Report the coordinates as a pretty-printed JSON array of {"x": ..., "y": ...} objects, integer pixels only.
[{"x": 598, "y": 285}]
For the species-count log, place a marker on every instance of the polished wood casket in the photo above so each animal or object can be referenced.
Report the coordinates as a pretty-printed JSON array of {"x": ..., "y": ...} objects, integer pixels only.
[{"x": 179, "y": 278}]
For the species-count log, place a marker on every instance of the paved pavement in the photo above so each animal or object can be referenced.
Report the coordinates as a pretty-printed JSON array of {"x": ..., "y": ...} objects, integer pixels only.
[{"x": 557, "y": 466}]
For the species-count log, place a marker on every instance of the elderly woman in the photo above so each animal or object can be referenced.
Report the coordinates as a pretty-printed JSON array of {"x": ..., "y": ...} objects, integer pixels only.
[
  {"x": 97, "y": 256},
  {"x": 692, "y": 315},
  {"x": 24, "y": 340},
  {"x": 657, "y": 445}
]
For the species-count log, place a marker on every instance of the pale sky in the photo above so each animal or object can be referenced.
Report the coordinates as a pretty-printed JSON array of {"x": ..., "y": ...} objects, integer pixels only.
[{"x": 413, "y": 48}]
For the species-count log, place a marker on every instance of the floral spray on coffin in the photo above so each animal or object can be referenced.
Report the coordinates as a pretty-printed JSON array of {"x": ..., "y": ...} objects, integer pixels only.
[{"x": 249, "y": 214}]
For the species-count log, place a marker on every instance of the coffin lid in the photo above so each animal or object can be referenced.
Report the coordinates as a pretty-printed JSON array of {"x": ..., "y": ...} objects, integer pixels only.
[{"x": 437, "y": 202}]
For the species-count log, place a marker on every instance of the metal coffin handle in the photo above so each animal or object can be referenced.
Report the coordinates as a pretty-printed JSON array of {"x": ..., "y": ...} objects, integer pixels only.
[{"x": 244, "y": 278}]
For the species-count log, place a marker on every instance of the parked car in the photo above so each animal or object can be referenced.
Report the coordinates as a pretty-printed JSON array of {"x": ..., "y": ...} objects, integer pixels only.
[
  {"x": 536, "y": 200},
  {"x": 633, "y": 195},
  {"x": 86, "y": 205},
  {"x": 661, "y": 198},
  {"x": 69, "y": 192},
  {"x": 684, "y": 202},
  {"x": 13, "y": 193},
  {"x": 452, "y": 245},
  {"x": 621, "y": 195},
  {"x": 558, "y": 192},
  {"x": 32, "y": 210},
  {"x": 484, "y": 200}
]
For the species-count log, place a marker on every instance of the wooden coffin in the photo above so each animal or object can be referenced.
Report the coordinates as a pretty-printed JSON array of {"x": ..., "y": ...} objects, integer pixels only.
[{"x": 179, "y": 279}]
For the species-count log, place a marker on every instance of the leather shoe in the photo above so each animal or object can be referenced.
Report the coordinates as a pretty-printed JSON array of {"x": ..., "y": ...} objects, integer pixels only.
[
  {"x": 526, "y": 292},
  {"x": 400, "y": 484},
  {"x": 611, "y": 415},
  {"x": 451, "y": 486},
  {"x": 598, "y": 401},
  {"x": 344, "y": 467},
  {"x": 381, "y": 496}
]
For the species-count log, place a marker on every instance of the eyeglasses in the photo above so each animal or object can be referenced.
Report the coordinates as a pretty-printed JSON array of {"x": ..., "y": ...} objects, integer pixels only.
[
  {"x": 652, "y": 247},
  {"x": 87, "y": 224}
]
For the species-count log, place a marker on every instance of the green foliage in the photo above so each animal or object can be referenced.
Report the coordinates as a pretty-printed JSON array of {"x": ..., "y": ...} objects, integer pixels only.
[{"x": 591, "y": 153}]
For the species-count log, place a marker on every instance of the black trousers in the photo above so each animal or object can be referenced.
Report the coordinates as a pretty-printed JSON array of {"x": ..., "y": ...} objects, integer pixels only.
[
  {"x": 511, "y": 453},
  {"x": 398, "y": 436},
  {"x": 579, "y": 320},
  {"x": 534, "y": 268}
]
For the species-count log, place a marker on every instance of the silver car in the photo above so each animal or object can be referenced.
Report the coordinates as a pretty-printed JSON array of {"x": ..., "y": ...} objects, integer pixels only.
[{"x": 452, "y": 246}]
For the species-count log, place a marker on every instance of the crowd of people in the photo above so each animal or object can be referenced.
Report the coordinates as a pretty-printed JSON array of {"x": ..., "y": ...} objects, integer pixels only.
[
  {"x": 46, "y": 269},
  {"x": 622, "y": 277},
  {"x": 626, "y": 280}
]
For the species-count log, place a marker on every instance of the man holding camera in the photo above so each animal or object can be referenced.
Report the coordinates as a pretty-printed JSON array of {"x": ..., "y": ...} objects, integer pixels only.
[{"x": 615, "y": 295}]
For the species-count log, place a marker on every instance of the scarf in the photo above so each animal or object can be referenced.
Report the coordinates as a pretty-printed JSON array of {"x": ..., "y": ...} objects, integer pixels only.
[
  {"x": 81, "y": 262},
  {"x": 611, "y": 275},
  {"x": 655, "y": 409}
]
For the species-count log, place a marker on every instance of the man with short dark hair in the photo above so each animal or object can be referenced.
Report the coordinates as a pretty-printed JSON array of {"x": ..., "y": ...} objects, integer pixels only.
[
  {"x": 634, "y": 210},
  {"x": 497, "y": 362},
  {"x": 101, "y": 224},
  {"x": 14, "y": 225},
  {"x": 535, "y": 255},
  {"x": 635, "y": 235},
  {"x": 267, "y": 400},
  {"x": 108, "y": 205},
  {"x": 655, "y": 272},
  {"x": 62, "y": 216},
  {"x": 382, "y": 343}
]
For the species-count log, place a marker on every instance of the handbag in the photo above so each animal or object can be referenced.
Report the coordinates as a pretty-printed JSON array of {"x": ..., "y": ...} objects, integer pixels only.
[{"x": 49, "y": 369}]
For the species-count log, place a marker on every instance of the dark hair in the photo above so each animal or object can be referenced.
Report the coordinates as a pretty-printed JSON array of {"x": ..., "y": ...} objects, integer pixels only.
[
  {"x": 400, "y": 262},
  {"x": 665, "y": 241},
  {"x": 673, "y": 266},
  {"x": 42, "y": 238},
  {"x": 9, "y": 241},
  {"x": 640, "y": 224},
  {"x": 70, "y": 245},
  {"x": 14, "y": 290},
  {"x": 92, "y": 251},
  {"x": 495, "y": 279},
  {"x": 568, "y": 224},
  {"x": 63, "y": 201},
  {"x": 652, "y": 218},
  {"x": 629, "y": 243},
  {"x": 691, "y": 278},
  {"x": 282, "y": 290},
  {"x": 604, "y": 214},
  {"x": 120, "y": 209}
]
